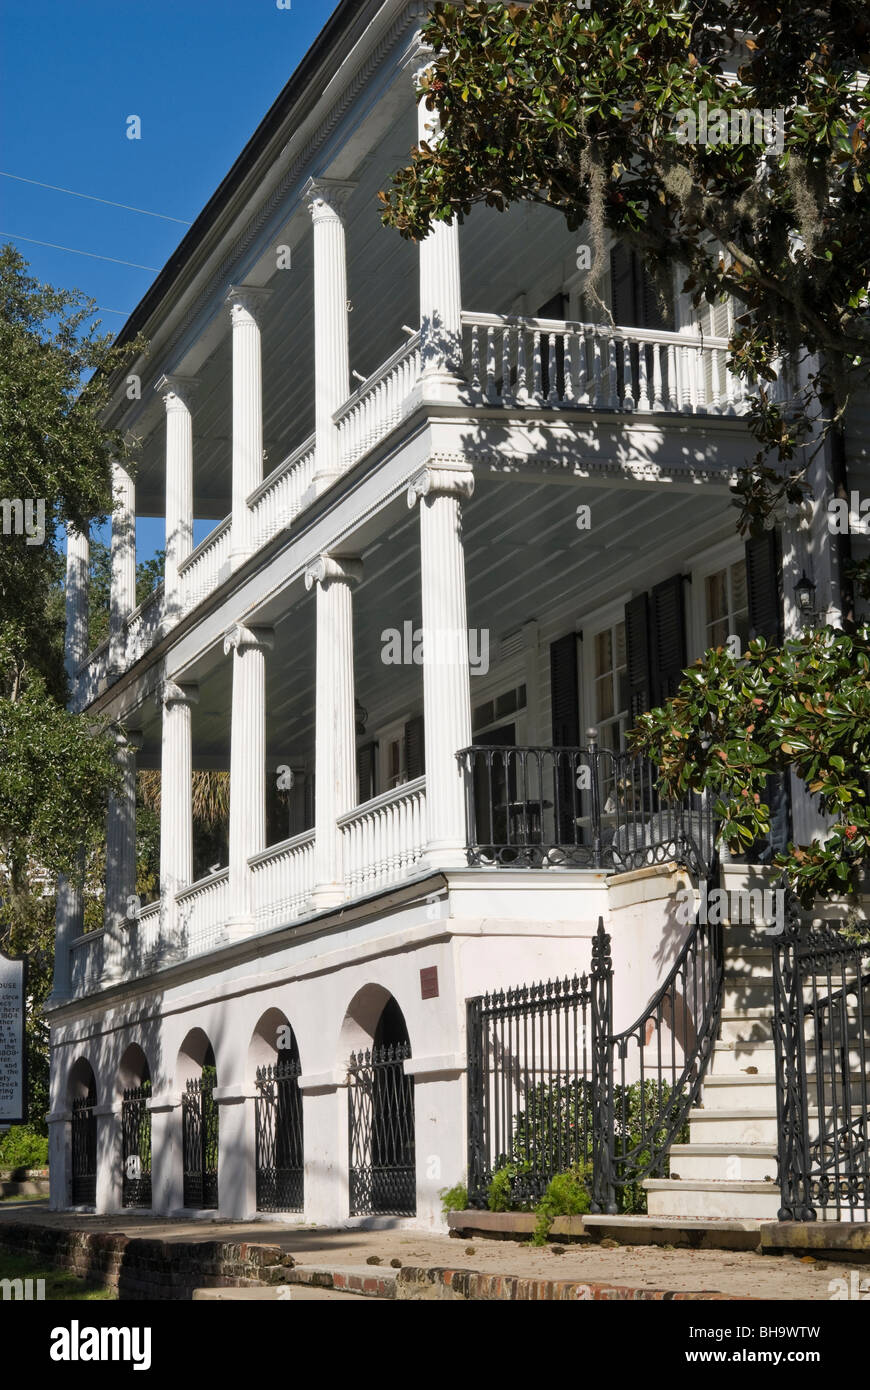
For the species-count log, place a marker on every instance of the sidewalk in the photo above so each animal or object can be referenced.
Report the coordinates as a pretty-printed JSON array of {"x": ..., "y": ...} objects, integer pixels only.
[{"x": 342, "y": 1256}]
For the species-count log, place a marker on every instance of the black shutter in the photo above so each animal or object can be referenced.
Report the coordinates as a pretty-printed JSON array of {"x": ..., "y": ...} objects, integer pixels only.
[
  {"x": 668, "y": 637},
  {"x": 623, "y": 303},
  {"x": 637, "y": 655},
  {"x": 365, "y": 768},
  {"x": 415, "y": 748},
  {"x": 564, "y": 693},
  {"x": 764, "y": 587}
]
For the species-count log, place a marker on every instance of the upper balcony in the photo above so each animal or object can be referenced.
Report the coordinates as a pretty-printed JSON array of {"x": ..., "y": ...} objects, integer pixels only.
[{"x": 520, "y": 368}]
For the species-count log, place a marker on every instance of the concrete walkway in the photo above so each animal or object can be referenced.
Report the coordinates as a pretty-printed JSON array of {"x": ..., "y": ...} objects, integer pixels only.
[{"x": 738, "y": 1274}]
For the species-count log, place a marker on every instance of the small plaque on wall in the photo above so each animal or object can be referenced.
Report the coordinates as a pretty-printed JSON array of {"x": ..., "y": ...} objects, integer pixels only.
[{"x": 429, "y": 982}]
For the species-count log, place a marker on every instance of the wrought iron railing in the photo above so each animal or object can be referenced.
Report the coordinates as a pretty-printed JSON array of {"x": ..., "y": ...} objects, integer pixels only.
[
  {"x": 821, "y": 1022},
  {"x": 380, "y": 1100},
  {"x": 650, "y": 1075},
  {"x": 136, "y": 1147},
  {"x": 529, "y": 1085},
  {"x": 278, "y": 1130},
  {"x": 550, "y": 1086},
  {"x": 199, "y": 1142},
  {"x": 589, "y": 807},
  {"x": 84, "y": 1152}
]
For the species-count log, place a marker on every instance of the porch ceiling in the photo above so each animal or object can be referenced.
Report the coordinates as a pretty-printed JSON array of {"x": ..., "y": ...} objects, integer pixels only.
[
  {"x": 527, "y": 251},
  {"x": 525, "y": 559}
]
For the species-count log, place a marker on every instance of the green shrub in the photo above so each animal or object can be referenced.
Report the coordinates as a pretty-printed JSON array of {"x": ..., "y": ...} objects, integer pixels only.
[
  {"x": 454, "y": 1198},
  {"x": 501, "y": 1195},
  {"x": 22, "y": 1147},
  {"x": 567, "y": 1194}
]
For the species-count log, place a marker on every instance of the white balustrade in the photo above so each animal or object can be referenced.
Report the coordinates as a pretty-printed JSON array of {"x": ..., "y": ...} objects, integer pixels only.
[
  {"x": 201, "y": 914},
  {"x": 283, "y": 877},
  {"x": 521, "y": 361},
  {"x": 143, "y": 939},
  {"x": 206, "y": 567},
  {"x": 278, "y": 499},
  {"x": 379, "y": 403},
  {"x": 86, "y": 963},
  {"x": 143, "y": 626},
  {"x": 383, "y": 840}
]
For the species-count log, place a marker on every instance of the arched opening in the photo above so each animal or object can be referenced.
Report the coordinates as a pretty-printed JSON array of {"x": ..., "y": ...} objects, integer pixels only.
[
  {"x": 134, "y": 1076},
  {"x": 199, "y": 1120},
  {"x": 82, "y": 1092},
  {"x": 274, "y": 1053},
  {"x": 380, "y": 1109}
]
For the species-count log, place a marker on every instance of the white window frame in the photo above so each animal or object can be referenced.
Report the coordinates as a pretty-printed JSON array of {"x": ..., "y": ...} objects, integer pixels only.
[{"x": 718, "y": 557}]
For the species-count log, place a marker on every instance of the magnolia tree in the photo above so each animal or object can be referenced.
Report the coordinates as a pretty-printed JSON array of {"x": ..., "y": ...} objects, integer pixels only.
[
  {"x": 726, "y": 141},
  {"x": 56, "y": 768}
]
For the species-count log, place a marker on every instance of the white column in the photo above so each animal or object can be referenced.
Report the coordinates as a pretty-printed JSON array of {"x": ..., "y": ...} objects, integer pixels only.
[
  {"x": 176, "y": 810},
  {"x": 440, "y": 291},
  {"x": 335, "y": 734},
  {"x": 247, "y": 765},
  {"x": 78, "y": 553},
  {"x": 446, "y": 693},
  {"x": 327, "y": 199},
  {"x": 122, "y": 590},
  {"x": 177, "y": 392},
  {"x": 237, "y": 1174},
  {"x": 69, "y": 902},
  {"x": 246, "y": 304},
  {"x": 120, "y": 857},
  {"x": 69, "y": 919}
]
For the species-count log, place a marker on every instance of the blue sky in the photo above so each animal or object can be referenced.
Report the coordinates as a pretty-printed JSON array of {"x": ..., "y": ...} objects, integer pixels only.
[{"x": 200, "y": 74}]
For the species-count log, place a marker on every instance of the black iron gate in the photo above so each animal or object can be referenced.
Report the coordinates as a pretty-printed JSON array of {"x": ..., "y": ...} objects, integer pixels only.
[
  {"x": 380, "y": 1101},
  {"x": 199, "y": 1137},
  {"x": 821, "y": 1033},
  {"x": 136, "y": 1147},
  {"x": 84, "y": 1152},
  {"x": 278, "y": 1117}
]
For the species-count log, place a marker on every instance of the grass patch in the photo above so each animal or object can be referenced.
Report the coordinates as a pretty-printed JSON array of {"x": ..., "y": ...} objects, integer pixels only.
[
  {"x": 40, "y": 1197},
  {"x": 59, "y": 1285}
]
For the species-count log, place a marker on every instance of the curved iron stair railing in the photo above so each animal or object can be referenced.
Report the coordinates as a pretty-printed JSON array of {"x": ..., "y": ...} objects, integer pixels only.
[{"x": 631, "y": 1142}]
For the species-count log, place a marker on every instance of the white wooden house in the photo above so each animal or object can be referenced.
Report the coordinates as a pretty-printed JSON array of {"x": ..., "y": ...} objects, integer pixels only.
[{"x": 387, "y": 437}]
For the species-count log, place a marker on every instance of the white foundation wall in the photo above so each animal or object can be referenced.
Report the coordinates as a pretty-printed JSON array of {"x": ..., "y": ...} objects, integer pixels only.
[{"x": 480, "y": 931}]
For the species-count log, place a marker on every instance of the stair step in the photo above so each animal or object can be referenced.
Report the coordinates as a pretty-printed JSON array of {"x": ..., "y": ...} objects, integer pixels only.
[
  {"x": 746, "y": 1025},
  {"x": 677, "y": 1197},
  {"x": 718, "y": 1162},
  {"x": 735, "y": 1057},
  {"x": 727, "y": 1091}
]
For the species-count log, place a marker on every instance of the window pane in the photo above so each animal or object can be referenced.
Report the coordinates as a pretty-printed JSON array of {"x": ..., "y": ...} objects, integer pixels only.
[
  {"x": 619, "y": 644},
  {"x": 715, "y": 589},
  {"x": 739, "y": 600},
  {"x": 603, "y": 653},
  {"x": 604, "y": 698}
]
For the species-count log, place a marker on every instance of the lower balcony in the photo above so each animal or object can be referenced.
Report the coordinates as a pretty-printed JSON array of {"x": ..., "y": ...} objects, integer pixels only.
[{"x": 527, "y": 809}]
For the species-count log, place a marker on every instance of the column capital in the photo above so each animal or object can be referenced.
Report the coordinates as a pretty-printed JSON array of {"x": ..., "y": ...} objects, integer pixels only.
[
  {"x": 441, "y": 480},
  {"x": 240, "y": 637},
  {"x": 177, "y": 391},
  {"x": 327, "y": 198},
  {"x": 170, "y": 693},
  {"x": 329, "y": 569},
  {"x": 247, "y": 301}
]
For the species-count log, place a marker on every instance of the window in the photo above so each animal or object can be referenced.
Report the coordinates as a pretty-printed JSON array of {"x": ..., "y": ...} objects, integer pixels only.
[
  {"x": 726, "y": 606},
  {"x": 610, "y": 686}
]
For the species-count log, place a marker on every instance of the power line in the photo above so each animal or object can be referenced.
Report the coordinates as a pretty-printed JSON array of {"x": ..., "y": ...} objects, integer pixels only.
[
  {"x": 90, "y": 196},
  {"x": 13, "y": 236}
]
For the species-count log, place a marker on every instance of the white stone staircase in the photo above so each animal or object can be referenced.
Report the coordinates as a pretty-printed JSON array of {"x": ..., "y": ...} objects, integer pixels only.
[{"x": 728, "y": 1169}]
